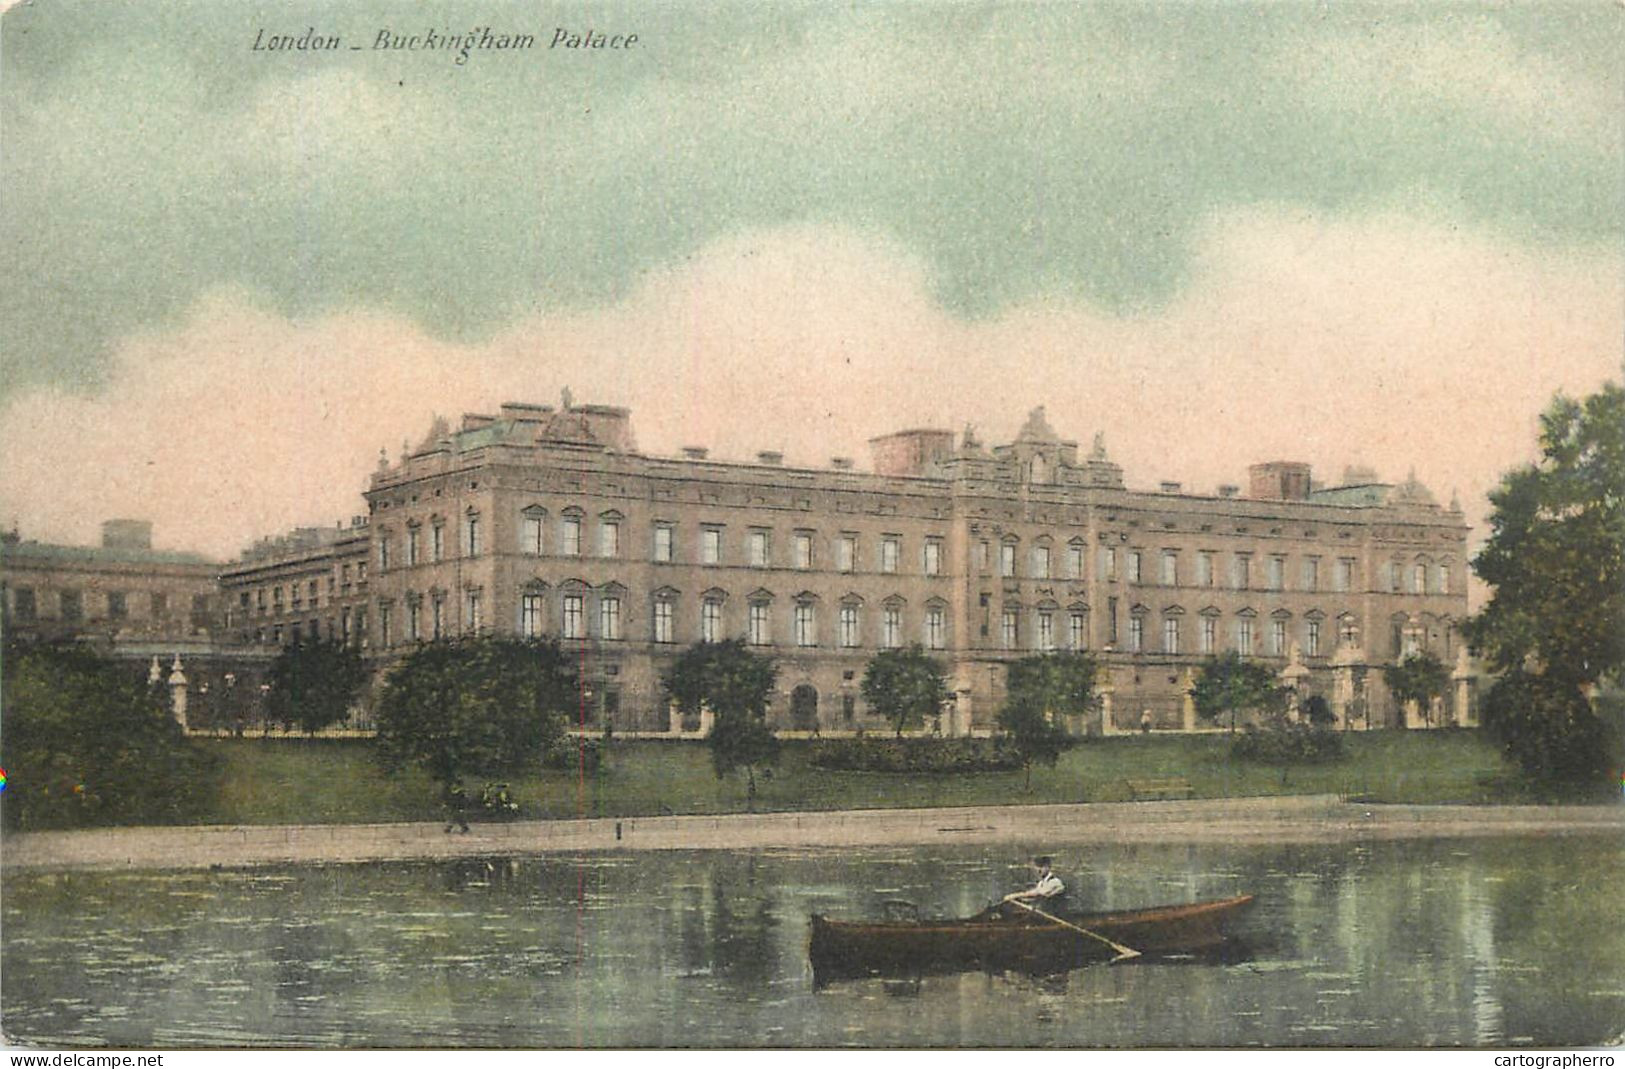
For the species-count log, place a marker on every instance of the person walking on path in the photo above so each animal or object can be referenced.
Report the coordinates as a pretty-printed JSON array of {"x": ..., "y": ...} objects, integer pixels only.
[{"x": 456, "y": 802}]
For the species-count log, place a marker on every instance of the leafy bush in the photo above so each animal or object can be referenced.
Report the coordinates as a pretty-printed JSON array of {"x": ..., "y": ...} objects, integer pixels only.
[
  {"x": 570, "y": 753},
  {"x": 1289, "y": 744},
  {"x": 932, "y": 756}
]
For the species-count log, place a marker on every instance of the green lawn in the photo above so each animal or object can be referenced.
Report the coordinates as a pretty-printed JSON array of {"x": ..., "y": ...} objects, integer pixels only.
[{"x": 275, "y": 781}]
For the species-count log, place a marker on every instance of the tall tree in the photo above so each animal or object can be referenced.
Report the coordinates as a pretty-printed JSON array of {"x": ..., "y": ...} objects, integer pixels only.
[
  {"x": 736, "y": 685},
  {"x": 475, "y": 704},
  {"x": 1230, "y": 684},
  {"x": 87, "y": 743},
  {"x": 313, "y": 684},
  {"x": 1555, "y": 561},
  {"x": 1418, "y": 678},
  {"x": 1038, "y": 690},
  {"x": 906, "y": 686}
]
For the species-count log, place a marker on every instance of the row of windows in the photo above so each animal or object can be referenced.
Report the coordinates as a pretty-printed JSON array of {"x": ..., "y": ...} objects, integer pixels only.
[
  {"x": 350, "y": 626},
  {"x": 580, "y": 615},
  {"x": 1042, "y": 635},
  {"x": 25, "y": 604},
  {"x": 1131, "y": 565}
]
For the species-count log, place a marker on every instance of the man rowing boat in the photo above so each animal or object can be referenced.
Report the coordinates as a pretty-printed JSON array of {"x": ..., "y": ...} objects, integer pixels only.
[{"x": 1047, "y": 888}]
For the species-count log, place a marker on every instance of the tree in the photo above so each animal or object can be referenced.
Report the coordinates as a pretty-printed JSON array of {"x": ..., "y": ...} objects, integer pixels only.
[
  {"x": 1039, "y": 689},
  {"x": 1229, "y": 684},
  {"x": 1419, "y": 678},
  {"x": 735, "y": 684},
  {"x": 313, "y": 684},
  {"x": 87, "y": 743},
  {"x": 487, "y": 703},
  {"x": 1555, "y": 561},
  {"x": 905, "y": 686},
  {"x": 1317, "y": 711}
]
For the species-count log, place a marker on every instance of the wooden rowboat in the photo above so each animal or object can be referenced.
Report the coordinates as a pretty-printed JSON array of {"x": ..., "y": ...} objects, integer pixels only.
[{"x": 997, "y": 941}]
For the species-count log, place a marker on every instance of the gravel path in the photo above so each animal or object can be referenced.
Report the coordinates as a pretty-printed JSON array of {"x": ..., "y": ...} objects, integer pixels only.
[{"x": 1292, "y": 819}]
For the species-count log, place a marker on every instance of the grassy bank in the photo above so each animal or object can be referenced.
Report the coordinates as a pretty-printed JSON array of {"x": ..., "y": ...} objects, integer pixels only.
[{"x": 276, "y": 781}]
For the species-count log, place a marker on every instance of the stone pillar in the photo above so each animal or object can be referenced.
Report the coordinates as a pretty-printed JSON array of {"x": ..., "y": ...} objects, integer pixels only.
[
  {"x": 1295, "y": 677},
  {"x": 177, "y": 691},
  {"x": 1463, "y": 678},
  {"x": 1106, "y": 691},
  {"x": 1187, "y": 702},
  {"x": 707, "y": 718}
]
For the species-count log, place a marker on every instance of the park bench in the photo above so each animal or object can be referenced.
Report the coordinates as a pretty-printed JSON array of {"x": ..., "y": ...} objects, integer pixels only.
[{"x": 1143, "y": 790}]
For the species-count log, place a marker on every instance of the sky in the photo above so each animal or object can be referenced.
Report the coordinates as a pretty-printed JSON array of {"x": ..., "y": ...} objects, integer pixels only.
[{"x": 1217, "y": 233}]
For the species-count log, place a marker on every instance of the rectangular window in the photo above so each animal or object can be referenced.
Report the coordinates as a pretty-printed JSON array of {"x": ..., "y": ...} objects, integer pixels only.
[
  {"x": 933, "y": 556},
  {"x": 296, "y": 596},
  {"x": 1242, "y": 579},
  {"x": 849, "y": 707},
  {"x": 1136, "y": 634},
  {"x": 1077, "y": 626},
  {"x": 804, "y": 550},
  {"x": 1108, "y": 563},
  {"x": 1170, "y": 568},
  {"x": 1134, "y": 566},
  {"x": 1312, "y": 638},
  {"x": 760, "y": 633},
  {"x": 806, "y": 626},
  {"x": 711, "y": 621},
  {"x": 1007, "y": 560},
  {"x": 24, "y": 605},
  {"x": 414, "y": 621},
  {"x": 437, "y": 542},
  {"x": 473, "y": 526},
  {"x": 849, "y": 626},
  {"x": 1396, "y": 577},
  {"x": 1419, "y": 580},
  {"x": 72, "y": 604},
  {"x": 574, "y": 616},
  {"x": 1311, "y": 573},
  {"x": 1278, "y": 637},
  {"x": 1040, "y": 562},
  {"x": 1204, "y": 568},
  {"x": 609, "y": 618},
  {"x": 1170, "y": 635},
  {"x": 1345, "y": 573},
  {"x": 383, "y": 557},
  {"x": 570, "y": 536},
  {"x": 891, "y": 627},
  {"x": 1009, "y": 629},
  {"x": 471, "y": 609},
  {"x": 890, "y": 550},
  {"x": 530, "y": 615},
  {"x": 412, "y": 545},
  {"x": 118, "y": 605},
  {"x": 1277, "y": 573},
  {"x": 386, "y": 630},
  {"x": 609, "y": 538},
  {"x": 1244, "y": 637},
  {"x": 665, "y": 542},
  {"x": 1444, "y": 579},
  {"x": 1111, "y": 620},
  {"x": 1046, "y": 631},
  {"x": 531, "y": 534},
  {"x": 981, "y": 557},
  {"x": 846, "y": 553},
  {"x": 1074, "y": 562},
  {"x": 758, "y": 549},
  {"x": 711, "y": 545},
  {"x": 1210, "y": 628},
  {"x": 663, "y": 621},
  {"x": 437, "y": 619},
  {"x": 936, "y": 629}
]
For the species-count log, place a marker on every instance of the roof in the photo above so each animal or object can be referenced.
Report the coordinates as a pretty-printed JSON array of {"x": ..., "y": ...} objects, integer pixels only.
[{"x": 47, "y": 551}]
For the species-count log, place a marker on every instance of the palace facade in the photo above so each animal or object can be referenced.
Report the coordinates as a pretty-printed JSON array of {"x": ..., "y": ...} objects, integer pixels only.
[{"x": 543, "y": 521}]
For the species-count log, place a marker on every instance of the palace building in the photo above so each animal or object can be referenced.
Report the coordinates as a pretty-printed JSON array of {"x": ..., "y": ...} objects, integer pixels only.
[{"x": 543, "y": 521}]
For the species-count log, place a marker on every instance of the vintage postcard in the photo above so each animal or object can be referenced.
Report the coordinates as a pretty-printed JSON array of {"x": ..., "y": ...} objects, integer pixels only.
[{"x": 783, "y": 525}]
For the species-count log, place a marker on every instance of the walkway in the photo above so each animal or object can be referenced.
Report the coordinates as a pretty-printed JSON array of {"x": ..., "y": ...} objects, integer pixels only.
[{"x": 1293, "y": 819}]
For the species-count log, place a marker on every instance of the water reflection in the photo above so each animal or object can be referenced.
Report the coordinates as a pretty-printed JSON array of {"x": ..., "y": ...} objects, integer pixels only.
[{"x": 1417, "y": 943}]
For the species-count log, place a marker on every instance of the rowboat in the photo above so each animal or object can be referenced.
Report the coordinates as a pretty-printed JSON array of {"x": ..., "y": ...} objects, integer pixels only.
[{"x": 997, "y": 940}]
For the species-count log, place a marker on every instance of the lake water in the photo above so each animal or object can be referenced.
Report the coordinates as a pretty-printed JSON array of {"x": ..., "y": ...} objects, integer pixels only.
[{"x": 1488, "y": 942}]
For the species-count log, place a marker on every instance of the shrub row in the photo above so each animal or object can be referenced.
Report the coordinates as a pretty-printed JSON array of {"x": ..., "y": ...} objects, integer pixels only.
[
  {"x": 1289, "y": 744},
  {"x": 915, "y": 755},
  {"x": 569, "y": 752}
]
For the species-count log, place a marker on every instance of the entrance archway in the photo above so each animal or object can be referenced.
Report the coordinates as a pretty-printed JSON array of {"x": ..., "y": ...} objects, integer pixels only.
[{"x": 804, "y": 708}]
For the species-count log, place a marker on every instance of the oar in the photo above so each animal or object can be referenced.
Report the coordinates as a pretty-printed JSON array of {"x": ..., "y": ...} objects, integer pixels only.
[{"x": 1123, "y": 952}]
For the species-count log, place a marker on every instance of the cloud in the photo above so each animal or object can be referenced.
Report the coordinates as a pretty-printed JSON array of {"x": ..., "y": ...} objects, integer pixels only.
[{"x": 1390, "y": 342}]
